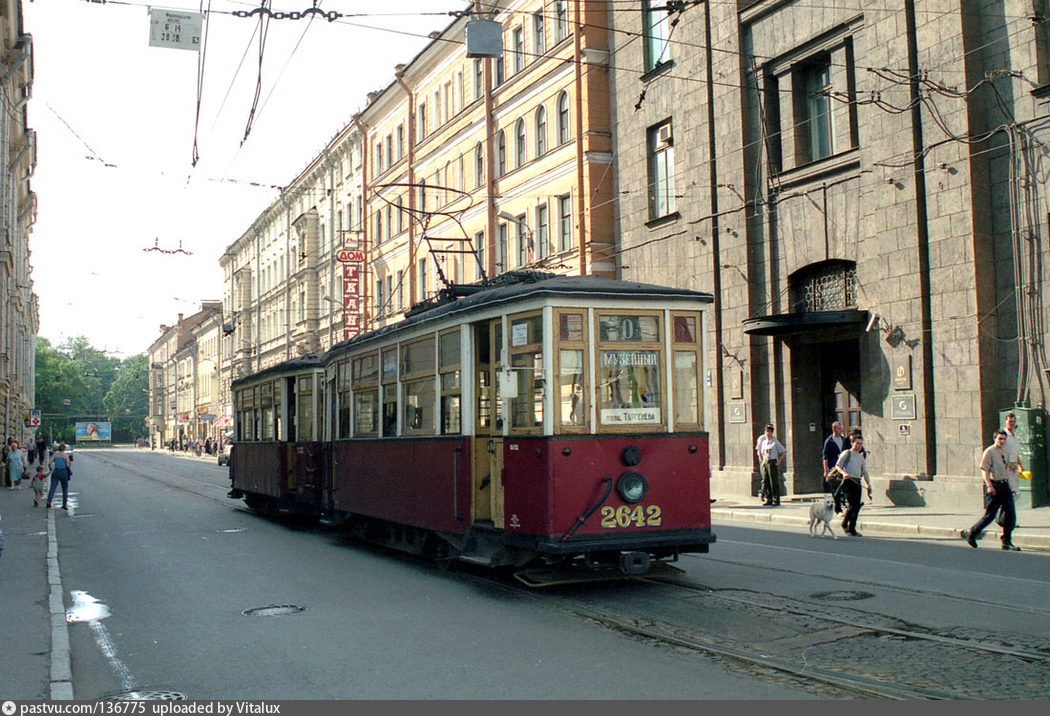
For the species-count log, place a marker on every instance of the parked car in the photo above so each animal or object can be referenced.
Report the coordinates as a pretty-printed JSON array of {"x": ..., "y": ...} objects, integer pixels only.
[{"x": 224, "y": 454}]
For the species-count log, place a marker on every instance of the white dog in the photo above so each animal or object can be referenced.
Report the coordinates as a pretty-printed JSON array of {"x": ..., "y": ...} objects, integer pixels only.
[{"x": 822, "y": 512}]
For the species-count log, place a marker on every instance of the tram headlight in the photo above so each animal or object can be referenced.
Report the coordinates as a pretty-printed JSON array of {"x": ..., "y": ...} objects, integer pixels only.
[{"x": 631, "y": 487}]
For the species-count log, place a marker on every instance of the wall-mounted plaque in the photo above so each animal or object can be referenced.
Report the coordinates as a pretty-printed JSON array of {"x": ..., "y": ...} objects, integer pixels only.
[
  {"x": 903, "y": 407},
  {"x": 902, "y": 373},
  {"x": 737, "y": 413},
  {"x": 736, "y": 383}
]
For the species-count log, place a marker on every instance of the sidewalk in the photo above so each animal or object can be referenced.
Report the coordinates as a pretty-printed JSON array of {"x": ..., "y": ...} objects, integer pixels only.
[{"x": 885, "y": 519}]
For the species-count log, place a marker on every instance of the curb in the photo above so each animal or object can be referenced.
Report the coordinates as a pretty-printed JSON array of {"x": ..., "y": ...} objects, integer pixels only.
[
  {"x": 61, "y": 672},
  {"x": 1034, "y": 542}
]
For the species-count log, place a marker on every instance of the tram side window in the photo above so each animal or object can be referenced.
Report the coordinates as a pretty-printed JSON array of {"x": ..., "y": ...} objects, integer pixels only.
[
  {"x": 450, "y": 371},
  {"x": 418, "y": 386},
  {"x": 686, "y": 371},
  {"x": 277, "y": 434},
  {"x": 266, "y": 404},
  {"x": 526, "y": 361},
  {"x": 572, "y": 382},
  {"x": 304, "y": 413},
  {"x": 629, "y": 360},
  {"x": 256, "y": 417},
  {"x": 343, "y": 395},
  {"x": 365, "y": 378},
  {"x": 389, "y": 378}
]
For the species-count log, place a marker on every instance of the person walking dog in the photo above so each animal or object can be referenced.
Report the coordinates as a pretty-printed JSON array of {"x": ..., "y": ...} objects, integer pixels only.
[{"x": 854, "y": 468}]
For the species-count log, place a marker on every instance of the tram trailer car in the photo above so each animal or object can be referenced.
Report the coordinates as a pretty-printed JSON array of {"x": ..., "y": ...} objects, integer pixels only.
[{"x": 550, "y": 424}]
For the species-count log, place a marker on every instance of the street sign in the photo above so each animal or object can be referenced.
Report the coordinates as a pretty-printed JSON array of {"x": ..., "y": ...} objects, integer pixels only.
[
  {"x": 34, "y": 418},
  {"x": 178, "y": 30}
]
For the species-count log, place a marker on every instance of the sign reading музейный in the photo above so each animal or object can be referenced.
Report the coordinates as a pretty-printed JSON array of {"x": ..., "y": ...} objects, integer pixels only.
[{"x": 632, "y": 382}]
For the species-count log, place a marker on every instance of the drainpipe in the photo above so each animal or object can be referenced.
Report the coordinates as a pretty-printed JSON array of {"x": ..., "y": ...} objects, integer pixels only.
[
  {"x": 366, "y": 245},
  {"x": 331, "y": 252},
  {"x": 923, "y": 242},
  {"x": 716, "y": 268},
  {"x": 399, "y": 76},
  {"x": 577, "y": 56}
]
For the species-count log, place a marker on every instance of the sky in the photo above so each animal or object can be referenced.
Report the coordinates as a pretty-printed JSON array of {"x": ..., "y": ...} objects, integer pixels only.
[{"x": 116, "y": 121}]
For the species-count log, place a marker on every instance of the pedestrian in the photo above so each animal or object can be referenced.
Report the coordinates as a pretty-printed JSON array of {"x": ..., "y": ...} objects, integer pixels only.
[
  {"x": 61, "y": 465},
  {"x": 4, "y": 453},
  {"x": 997, "y": 494},
  {"x": 41, "y": 450},
  {"x": 16, "y": 465},
  {"x": 834, "y": 446},
  {"x": 1, "y": 540},
  {"x": 854, "y": 468},
  {"x": 771, "y": 454},
  {"x": 39, "y": 483},
  {"x": 1012, "y": 450}
]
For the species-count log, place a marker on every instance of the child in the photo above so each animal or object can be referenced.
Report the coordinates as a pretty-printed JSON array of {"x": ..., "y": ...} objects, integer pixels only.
[{"x": 39, "y": 483}]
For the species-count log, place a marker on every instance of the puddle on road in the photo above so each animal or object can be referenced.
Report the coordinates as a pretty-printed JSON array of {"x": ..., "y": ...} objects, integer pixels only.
[{"x": 85, "y": 608}]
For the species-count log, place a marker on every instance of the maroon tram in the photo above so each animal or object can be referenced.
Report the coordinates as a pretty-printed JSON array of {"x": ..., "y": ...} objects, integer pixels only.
[{"x": 550, "y": 424}]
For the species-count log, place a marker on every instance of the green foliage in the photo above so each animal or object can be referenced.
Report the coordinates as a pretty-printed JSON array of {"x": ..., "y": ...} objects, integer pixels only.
[{"x": 97, "y": 386}]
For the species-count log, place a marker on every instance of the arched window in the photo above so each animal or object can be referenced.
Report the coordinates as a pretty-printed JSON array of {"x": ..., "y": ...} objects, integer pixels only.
[
  {"x": 563, "y": 118},
  {"x": 519, "y": 142},
  {"x": 541, "y": 131},
  {"x": 501, "y": 154},
  {"x": 479, "y": 166},
  {"x": 825, "y": 286}
]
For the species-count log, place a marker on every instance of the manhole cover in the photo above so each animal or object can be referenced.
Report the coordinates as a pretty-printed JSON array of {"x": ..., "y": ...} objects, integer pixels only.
[
  {"x": 151, "y": 695},
  {"x": 273, "y": 610},
  {"x": 842, "y": 595}
]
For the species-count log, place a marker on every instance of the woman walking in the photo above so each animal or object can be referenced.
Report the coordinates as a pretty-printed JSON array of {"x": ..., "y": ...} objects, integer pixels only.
[
  {"x": 16, "y": 465},
  {"x": 60, "y": 473}
]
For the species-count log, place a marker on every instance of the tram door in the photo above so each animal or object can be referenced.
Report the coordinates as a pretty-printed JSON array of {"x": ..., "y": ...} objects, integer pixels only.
[{"x": 488, "y": 426}]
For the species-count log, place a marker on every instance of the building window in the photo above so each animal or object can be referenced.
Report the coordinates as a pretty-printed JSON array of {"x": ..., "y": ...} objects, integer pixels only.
[
  {"x": 564, "y": 222},
  {"x": 389, "y": 220},
  {"x": 499, "y": 70},
  {"x": 400, "y": 142},
  {"x": 526, "y": 254},
  {"x": 379, "y": 227},
  {"x": 541, "y": 131},
  {"x": 542, "y": 239},
  {"x": 563, "y": 118},
  {"x": 519, "y": 142},
  {"x": 657, "y": 27},
  {"x": 539, "y": 40},
  {"x": 400, "y": 290},
  {"x": 661, "y": 171},
  {"x": 479, "y": 79},
  {"x": 479, "y": 166},
  {"x": 519, "y": 48},
  {"x": 479, "y": 250},
  {"x": 379, "y": 297},
  {"x": 501, "y": 154},
  {"x": 400, "y": 215},
  {"x": 501, "y": 250},
  {"x": 813, "y": 135},
  {"x": 389, "y": 150},
  {"x": 421, "y": 120},
  {"x": 561, "y": 21},
  {"x": 377, "y": 165}
]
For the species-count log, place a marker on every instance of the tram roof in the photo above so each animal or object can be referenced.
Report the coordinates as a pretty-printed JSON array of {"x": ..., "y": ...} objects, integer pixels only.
[
  {"x": 522, "y": 285},
  {"x": 293, "y": 365}
]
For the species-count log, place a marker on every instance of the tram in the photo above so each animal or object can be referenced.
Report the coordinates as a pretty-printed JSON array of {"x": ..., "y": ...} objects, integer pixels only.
[{"x": 553, "y": 425}]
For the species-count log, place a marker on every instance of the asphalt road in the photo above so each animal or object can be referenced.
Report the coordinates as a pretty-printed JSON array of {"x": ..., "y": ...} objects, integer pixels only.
[{"x": 162, "y": 568}]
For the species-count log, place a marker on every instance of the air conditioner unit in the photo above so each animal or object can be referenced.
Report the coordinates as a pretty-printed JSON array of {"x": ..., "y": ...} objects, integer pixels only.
[{"x": 663, "y": 135}]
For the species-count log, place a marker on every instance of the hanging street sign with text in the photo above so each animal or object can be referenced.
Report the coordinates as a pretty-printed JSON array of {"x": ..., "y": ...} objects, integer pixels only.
[{"x": 176, "y": 29}]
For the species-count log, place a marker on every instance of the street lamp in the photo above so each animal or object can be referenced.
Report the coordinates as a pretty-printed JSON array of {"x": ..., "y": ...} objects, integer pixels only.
[{"x": 526, "y": 252}]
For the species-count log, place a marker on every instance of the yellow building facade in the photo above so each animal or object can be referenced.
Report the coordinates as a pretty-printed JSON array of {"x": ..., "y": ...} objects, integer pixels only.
[{"x": 475, "y": 166}]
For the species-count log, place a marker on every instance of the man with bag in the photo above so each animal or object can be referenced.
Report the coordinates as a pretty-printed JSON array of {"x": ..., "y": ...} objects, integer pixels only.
[{"x": 835, "y": 444}]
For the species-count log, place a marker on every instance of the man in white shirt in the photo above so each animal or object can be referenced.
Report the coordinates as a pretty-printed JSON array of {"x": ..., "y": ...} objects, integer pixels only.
[
  {"x": 1012, "y": 451},
  {"x": 771, "y": 455}
]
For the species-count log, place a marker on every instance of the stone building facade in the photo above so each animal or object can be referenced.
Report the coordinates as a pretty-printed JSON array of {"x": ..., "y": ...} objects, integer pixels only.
[
  {"x": 19, "y": 310},
  {"x": 862, "y": 187}
]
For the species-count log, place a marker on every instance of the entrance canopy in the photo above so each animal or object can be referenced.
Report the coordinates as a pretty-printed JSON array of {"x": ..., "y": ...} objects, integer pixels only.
[{"x": 788, "y": 324}]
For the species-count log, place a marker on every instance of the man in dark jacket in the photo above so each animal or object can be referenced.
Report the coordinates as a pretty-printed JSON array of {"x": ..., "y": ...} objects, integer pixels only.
[{"x": 835, "y": 445}]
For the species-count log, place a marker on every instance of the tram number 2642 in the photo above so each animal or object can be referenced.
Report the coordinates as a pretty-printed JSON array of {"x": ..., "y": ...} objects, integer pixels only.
[{"x": 626, "y": 516}]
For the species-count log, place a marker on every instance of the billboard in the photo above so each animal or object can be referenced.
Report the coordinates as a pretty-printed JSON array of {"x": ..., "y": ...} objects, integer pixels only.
[{"x": 93, "y": 432}]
